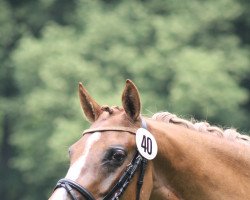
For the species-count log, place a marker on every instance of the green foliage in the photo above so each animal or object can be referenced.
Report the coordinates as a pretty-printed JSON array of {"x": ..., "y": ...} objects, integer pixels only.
[{"x": 186, "y": 57}]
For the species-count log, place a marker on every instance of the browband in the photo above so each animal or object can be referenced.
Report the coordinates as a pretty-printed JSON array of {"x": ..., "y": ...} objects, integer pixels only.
[{"x": 118, "y": 128}]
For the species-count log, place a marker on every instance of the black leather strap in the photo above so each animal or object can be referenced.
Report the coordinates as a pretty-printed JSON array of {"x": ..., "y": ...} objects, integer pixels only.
[
  {"x": 69, "y": 184},
  {"x": 143, "y": 166},
  {"x": 123, "y": 182}
]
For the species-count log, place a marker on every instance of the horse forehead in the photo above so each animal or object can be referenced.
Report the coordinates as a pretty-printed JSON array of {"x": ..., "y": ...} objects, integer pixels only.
[
  {"x": 86, "y": 142},
  {"x": 96, "y": 143},
  {"x": 81, "y": 160},
  {"x": 99, "y": 140}
]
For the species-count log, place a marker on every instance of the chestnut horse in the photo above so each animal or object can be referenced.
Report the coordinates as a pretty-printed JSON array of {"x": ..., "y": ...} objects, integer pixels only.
[{"x": 191, "y": 163}]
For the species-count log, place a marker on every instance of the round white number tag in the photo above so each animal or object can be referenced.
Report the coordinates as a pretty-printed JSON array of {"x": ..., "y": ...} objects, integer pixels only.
[{"x": 146, "y": 144}]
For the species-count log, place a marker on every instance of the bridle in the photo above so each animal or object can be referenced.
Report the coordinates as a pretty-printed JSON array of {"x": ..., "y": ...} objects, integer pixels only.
[{"x": 138, "y": 163}]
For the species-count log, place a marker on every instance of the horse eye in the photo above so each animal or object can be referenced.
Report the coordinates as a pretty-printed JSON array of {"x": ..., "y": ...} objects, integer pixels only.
[
  {"x": 118, "y": 156},
  {"x": 115, "y": 157}
]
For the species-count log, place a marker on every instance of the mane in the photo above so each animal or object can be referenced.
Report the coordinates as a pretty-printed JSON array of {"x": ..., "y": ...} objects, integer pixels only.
[{"x": 204, "y": 127}]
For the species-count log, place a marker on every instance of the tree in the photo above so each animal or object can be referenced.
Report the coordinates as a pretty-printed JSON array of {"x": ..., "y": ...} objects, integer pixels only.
[
  {"x": 16, "y": 19},
  {"x": 188, "y": 58}
]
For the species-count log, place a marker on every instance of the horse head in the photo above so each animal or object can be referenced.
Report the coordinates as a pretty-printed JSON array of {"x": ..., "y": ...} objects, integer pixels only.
[{"x": 104, "y": 162}]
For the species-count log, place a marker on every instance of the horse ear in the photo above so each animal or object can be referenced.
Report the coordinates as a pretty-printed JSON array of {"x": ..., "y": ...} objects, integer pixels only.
[
  {"x": 131, "y": 100},
  {"x": 91, "y": 109}
]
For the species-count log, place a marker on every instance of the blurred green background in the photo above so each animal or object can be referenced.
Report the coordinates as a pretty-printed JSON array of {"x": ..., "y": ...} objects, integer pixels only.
[{"x": 188, "y": 57}]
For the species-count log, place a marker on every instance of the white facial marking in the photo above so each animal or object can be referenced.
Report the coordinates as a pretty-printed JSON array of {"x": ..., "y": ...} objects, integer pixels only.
[{"x": 75, "y": 170}]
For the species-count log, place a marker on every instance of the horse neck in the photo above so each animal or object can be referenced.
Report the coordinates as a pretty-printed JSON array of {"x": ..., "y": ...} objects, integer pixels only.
[{"x": 191, "y": 165}]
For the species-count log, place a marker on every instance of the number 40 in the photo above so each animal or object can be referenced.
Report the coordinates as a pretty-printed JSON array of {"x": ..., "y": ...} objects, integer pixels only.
[{"x": 146, "y": 144}]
